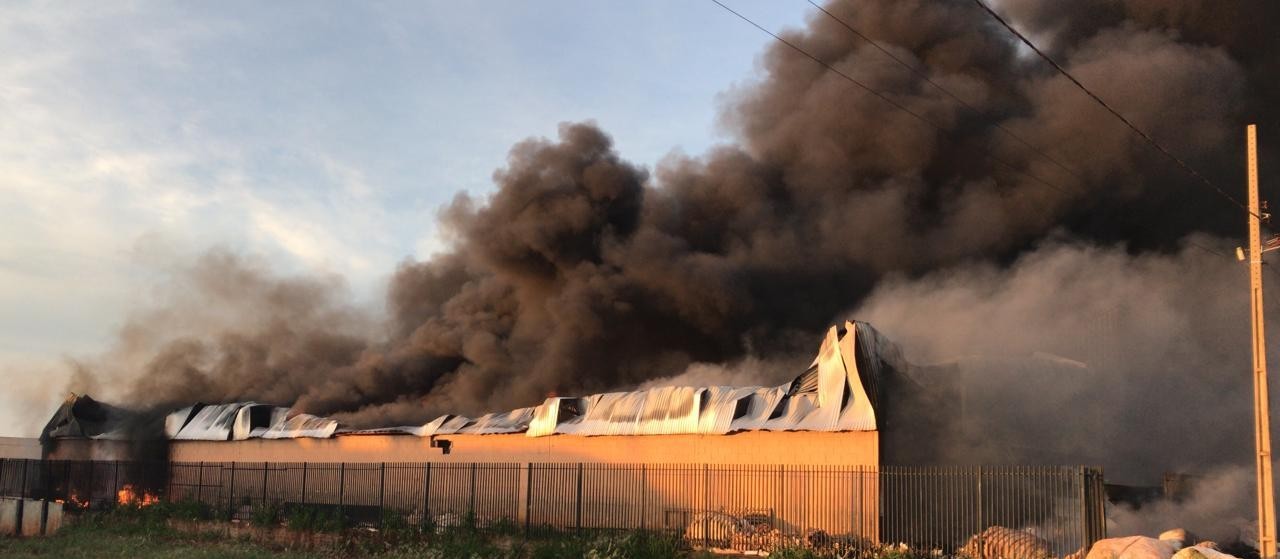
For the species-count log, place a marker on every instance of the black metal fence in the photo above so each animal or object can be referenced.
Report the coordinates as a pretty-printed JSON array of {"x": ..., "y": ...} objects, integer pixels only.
[{"x": 977, "y": 511}]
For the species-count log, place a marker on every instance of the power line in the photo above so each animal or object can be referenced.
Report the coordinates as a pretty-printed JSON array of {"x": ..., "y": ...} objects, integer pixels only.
[
  {"x": 925, "y": 76},
  {"x": 1212, "y": 251},
  {"x": 880, "y": 95},
  {"x": 1104, "y": 104}
]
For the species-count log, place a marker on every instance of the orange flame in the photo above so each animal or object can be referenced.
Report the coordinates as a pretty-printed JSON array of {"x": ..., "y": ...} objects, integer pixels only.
[
  {"x": 127, "y": 496},
  {"x": 73, "y": 501}
]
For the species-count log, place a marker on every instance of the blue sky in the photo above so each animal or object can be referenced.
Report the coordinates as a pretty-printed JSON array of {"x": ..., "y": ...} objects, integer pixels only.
[{"x": 321, "y": 136}]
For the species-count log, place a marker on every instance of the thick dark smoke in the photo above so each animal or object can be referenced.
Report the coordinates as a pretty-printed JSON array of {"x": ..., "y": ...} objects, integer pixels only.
[
  {"x": 582, "y": 271},
  {"x": 1078, "y": 353}
]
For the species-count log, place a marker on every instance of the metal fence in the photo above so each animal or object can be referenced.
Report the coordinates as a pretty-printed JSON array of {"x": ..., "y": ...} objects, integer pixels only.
[{"x": 976, "y": 511}]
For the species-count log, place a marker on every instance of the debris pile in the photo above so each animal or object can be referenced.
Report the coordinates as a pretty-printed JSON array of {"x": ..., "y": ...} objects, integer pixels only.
[
  {"x": 1170, "y": 545},
  {"x": 998, "y": 542}
]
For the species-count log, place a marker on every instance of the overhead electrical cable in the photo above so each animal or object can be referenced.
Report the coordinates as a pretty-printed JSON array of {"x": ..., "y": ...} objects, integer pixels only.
[
  {"x": 881, "y": 95},
  {"x": 1185, "y": 167}
]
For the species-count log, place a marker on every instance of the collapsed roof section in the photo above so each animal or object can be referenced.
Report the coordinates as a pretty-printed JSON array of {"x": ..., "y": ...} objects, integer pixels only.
[
  {"x": 840, "y": 391},
  {"x": 83, "y": 417},
  {"x": 240, "y": 421}
]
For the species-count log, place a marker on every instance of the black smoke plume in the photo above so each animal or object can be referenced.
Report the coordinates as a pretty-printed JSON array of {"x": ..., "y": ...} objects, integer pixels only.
[{"x": 582, "y": 271}]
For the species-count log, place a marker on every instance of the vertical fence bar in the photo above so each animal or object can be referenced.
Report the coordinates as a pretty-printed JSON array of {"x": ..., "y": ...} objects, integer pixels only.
[
  {"x": 231, "y": 492},
  {"x": 426, "y": 494},
  {"x": 528, "y": 497},
  {"x": 302, "y": 498},
  {"x": 1080, "y": 475},
  {"x": 88, "y": 498},
  {"x": 115, "y": 478},
  {"x": 382, "y": 490},
  {"x": 471, "y": 506},
  {"x": 578, "y": 501},
  {"x": 342, "y": 489},
  {"x": 644, "y": 496},
  {"x": 200, "y": 483},
  {"x": 706, "y": 508}
]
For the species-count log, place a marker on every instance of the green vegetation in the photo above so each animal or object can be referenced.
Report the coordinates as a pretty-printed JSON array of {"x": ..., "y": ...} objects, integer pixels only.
[
  {"x": 315, "y": 519},
  {"x": 130, "y": 533},
  {"x": 151, "y": 532},
  {"x": 146, "y": 532}
]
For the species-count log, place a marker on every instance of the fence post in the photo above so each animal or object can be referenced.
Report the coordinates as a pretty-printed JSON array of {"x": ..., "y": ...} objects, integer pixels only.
[
  {"x": 115, "y": 480},
  {"x": 22, "y": 489},
  {"x": 527, "y": 509},
  {"x": 48, "y": 484},
  {"x": 644, "y": 496},
  {"x": 579, "y": 499},
  {"x": 981, "y": 545},
  {"x": 1100, "y": 501},
  {"x": 706, "y": 507},
  {"x": 264, "y": 484},
  {"x": 200, "y": 483},
  {"x": 303, "y": 498},
  {"x": 426, "y": 494},
  {"x": 231, "y": 492},
  {"x": 88, "y": 498},
  {"x": 44, "y": 501},
  {"x": 4, "y": 487},
  {"x": 66, "y": 480},
  {"x": 342, "y": 489},
  {"x": 382, "y": 490},
  {"x": 471, "y": 506},
  {"x": 1088, "y": 494}
]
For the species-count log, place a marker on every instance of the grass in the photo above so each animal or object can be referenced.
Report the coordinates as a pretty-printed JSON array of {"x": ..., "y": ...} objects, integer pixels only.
[
  {"x": 117, "y": 537},
  {"x": 146, "y": 533}
]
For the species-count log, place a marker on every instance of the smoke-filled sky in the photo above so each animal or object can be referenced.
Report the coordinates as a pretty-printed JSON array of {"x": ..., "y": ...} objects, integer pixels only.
[
  {"x": 323, "y": 138},
  {"x": 596, "y": 258}
]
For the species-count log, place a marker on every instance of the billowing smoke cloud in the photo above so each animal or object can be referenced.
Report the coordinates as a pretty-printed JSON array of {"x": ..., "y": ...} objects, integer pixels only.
[
  {"x": 1219, "y": 509},
  {"x": 1076, "y": 353},
  {"x": 582, "y": 271}
]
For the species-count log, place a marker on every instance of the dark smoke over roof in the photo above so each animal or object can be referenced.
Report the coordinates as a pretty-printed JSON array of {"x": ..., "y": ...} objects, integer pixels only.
[{"x": 582, "y": 272}]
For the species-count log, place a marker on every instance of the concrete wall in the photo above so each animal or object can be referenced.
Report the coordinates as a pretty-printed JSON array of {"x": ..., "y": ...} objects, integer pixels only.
[
  {"x": 32, "y": 511},
  {"x": 9, "y": 516},
  {"x": 19, "y": 447},
  {"x": 756, "y": 447}
]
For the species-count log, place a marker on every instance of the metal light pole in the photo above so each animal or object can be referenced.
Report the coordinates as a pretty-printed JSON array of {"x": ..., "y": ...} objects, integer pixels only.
[{"x": 1261, "y": 407}]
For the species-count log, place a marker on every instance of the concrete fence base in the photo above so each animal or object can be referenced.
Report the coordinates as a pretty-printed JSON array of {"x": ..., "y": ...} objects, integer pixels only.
[{"x": 25, "y": 517}]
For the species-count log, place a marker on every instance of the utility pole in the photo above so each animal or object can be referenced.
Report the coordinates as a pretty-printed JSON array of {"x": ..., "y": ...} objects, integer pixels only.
[{"x": 1261, "y": 407}]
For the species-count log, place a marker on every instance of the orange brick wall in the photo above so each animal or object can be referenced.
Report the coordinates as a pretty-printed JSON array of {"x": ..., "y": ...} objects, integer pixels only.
[{"x": 757, "y": 447}]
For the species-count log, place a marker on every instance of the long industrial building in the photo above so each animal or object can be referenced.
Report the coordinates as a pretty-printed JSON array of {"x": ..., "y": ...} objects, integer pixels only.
[{"x": 829, "y": 414}]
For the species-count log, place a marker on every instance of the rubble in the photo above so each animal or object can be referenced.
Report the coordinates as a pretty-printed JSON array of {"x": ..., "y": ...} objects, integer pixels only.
[
  {"x": 1140, "y": 547},
  {"x": 715, "y": 529},
  {"x": 999, "y": 542},
  {"x": 1202, "y": 551}
]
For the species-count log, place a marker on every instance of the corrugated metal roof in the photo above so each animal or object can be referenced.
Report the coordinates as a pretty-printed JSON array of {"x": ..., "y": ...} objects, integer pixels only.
[
  {"x": 210, "y": 423},
  {"x": 302, "y": 426},
  {"x": 838, "y": 392}
]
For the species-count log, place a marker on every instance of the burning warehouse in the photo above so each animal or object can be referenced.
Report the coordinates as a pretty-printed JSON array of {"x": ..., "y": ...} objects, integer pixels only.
[
  {"x": 858, "y": 403},
  {"x": 832, "y": 413},
  {"x": 741, "y": 467}
]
